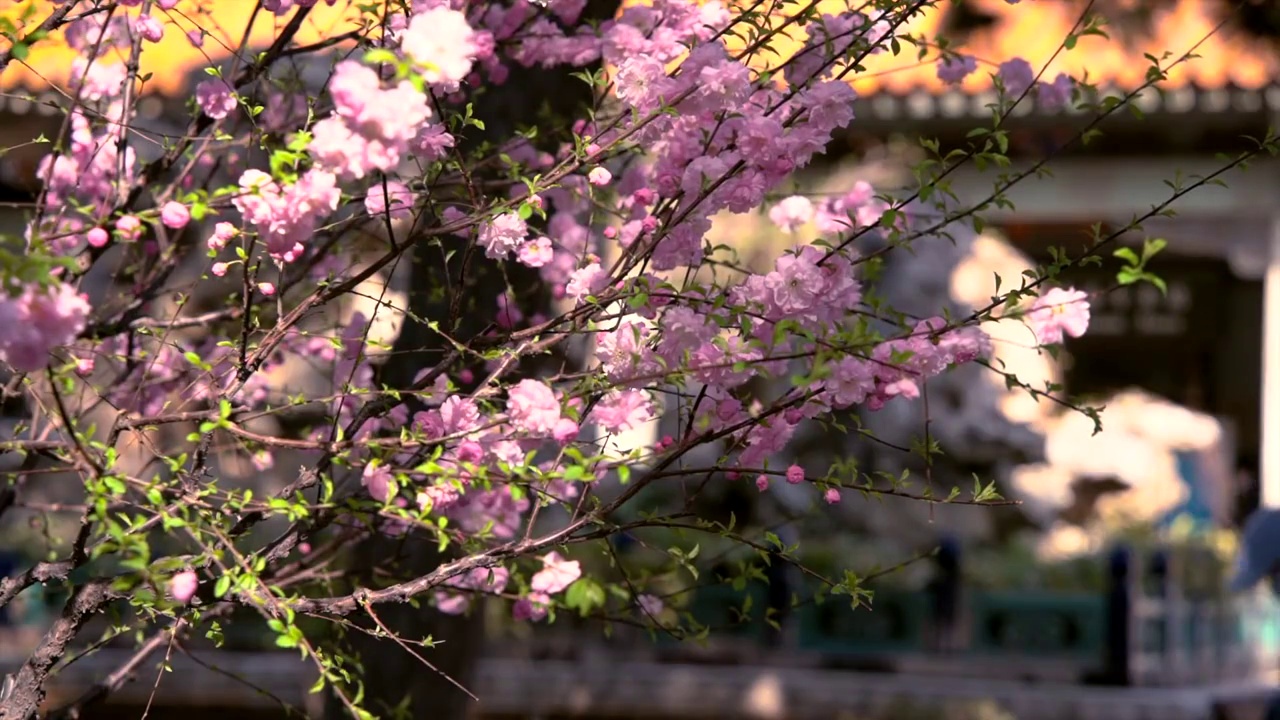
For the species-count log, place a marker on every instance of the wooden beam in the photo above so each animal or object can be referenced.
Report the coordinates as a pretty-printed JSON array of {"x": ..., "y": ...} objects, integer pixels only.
[
  {"x": 1089, "y": 190},
  {"x": 1269, "y": 463}
]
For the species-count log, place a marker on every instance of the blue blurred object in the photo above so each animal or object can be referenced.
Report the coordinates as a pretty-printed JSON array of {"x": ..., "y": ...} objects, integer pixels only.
[
  {"x": 1259, "y": 551},
  {"x": 1197, "y": 506}
]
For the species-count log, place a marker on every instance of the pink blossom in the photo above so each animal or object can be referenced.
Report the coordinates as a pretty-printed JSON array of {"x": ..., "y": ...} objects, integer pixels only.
[
  {"x": 503, "y": 234},
  {"x": 481, "y": 580},
  {"x": 129, "y": 227},
  {"x": 623, "y": 410},
  {"x": 556, "y": 574},
  {"x": 599, "y": 176},
  {"x": 762, "y": 482},
  {"x": 832, "y": 495},
  {"x": 183, "y": 586},
  {"x": 1059, "y": 311},
  {"x": 219, "y": 269},
  {"x": 796, "y": 285},
  {"x": 1017, "y": 76},
  {"x": 377, "y": 479},
  {"x": 791, "y": 213},
  {"x": 459, "y": 415},
  {"x": 149, "y": 28},
  {"x": 175, "y": 215},
  {"x": 442, "y": 43},
  {"x": 1056, "y": 94},
  {"x": 953, "y": 69},
  {"x": 535, "y": 253},
  {"x": 650, "y": 605},
  {"x": 37, "y": 321},
  {"x": 216, "y": 98},
  {"x": 222, "y": 234},
  {"x": 533, "y": 408},
  {"x": 565, "y": 430},
  {"x": 586, "y": 281},
  {"x": 395, "y": 196},
  {"x": 532, "y": 608}
]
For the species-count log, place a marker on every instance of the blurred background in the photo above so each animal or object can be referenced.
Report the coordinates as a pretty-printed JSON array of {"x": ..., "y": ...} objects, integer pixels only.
[{"x": 1100, "y": 595}]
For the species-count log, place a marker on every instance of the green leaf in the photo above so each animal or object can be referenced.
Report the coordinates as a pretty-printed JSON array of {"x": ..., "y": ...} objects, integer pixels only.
[
  {"x": 584, "y": 596},
  {"x": 221, "y": 587},
  {"x": 1128, "y": 255}
]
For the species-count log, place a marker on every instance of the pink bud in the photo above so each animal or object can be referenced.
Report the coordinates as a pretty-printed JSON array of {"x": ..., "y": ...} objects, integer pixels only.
[
  {"x": 267, "y": 288},
  {"x": 732, "y": 475},
  {"x": 599, "y": 176},
  {"x": 166, "y": 4},
  {"x": 795, "y": 474},
  {"x": 304, "y": 548},
  {"x": 175, "y": 215},
  {"x": 762, "y": 483},
  {"x": 129, "y": 227},
  {"x": 97, "y": 237},
  {"x": 832, "y": 496},
  {"x": 466, "y": 376},
  {"x": 611, "y": 232},
  {"x": 196, "y": 37},
  {"x": 183, "y": 586},
  {"x": 219, "y": 269},
  {"x": 592, "y": 149}
]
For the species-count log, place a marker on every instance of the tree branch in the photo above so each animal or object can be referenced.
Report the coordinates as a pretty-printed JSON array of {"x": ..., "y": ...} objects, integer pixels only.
[{"x": 22, "y": 699}]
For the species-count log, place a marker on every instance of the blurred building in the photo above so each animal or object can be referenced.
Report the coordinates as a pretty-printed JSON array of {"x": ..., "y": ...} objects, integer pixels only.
[{"x": 1212, "y": 343}]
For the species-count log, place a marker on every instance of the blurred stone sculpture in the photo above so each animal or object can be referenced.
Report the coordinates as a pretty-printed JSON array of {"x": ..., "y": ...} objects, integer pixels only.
[{"x": 1259, "y": 557}]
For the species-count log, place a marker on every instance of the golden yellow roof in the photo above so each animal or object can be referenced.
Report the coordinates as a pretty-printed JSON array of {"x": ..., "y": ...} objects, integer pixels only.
[
  {"x": 171, "y": 60},
  {"x": 1032, "y": 29}
]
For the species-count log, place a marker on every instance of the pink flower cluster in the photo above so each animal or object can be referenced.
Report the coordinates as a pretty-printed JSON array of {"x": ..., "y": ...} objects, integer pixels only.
[
  {"x": 372, "y": 127},
  {"x": 38, "y": 320},
  {"x": 1018, "y": 77},
  {"x": 286, "y": 217}
]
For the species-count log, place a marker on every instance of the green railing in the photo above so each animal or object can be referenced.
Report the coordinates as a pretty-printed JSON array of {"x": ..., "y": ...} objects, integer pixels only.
[{"x": 1141, "y": 630}]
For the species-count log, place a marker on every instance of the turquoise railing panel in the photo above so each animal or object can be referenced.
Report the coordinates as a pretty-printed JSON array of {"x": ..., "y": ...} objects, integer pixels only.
[
  {"x": 894, "y": 623},
  {"x": 721, "y": 608},
  {"x": 1071, "y": 626}
]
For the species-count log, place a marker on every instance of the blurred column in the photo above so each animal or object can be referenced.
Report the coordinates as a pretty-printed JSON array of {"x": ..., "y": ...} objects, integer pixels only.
[{"x": 1269, "y": 462}]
